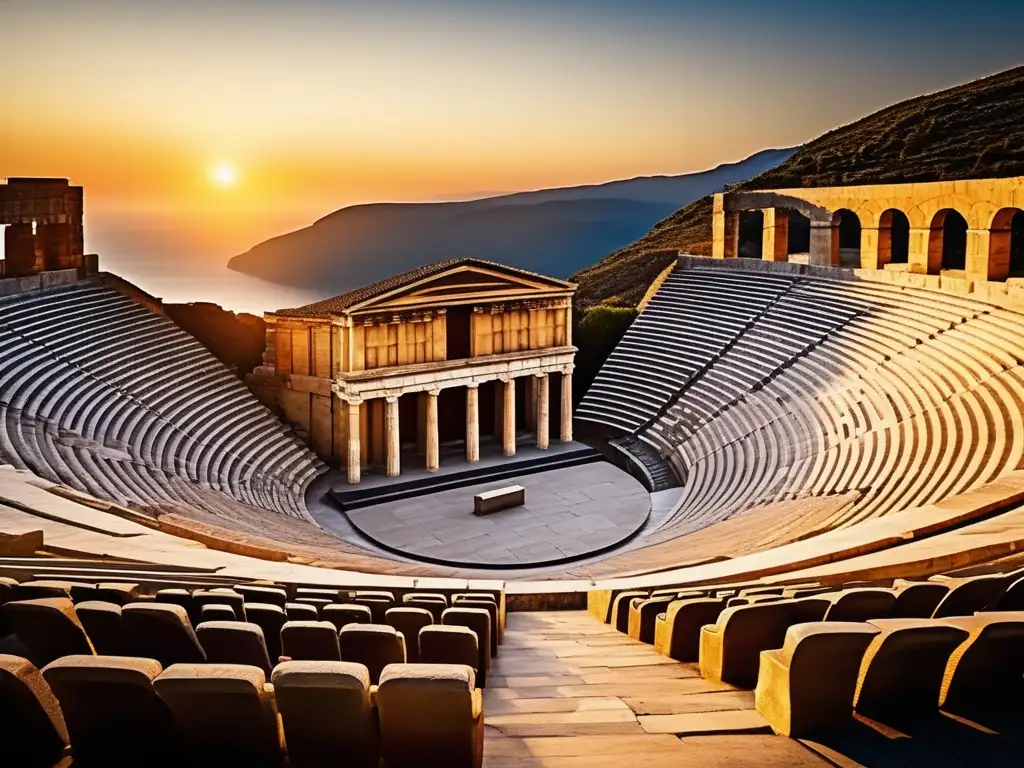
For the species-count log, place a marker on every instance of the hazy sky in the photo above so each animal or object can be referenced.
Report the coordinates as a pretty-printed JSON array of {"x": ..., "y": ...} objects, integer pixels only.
[{"x": 317, "y": 104}]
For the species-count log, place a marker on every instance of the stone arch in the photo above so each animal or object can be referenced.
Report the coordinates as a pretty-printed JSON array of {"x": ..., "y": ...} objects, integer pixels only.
[
  {"x": 751, "y": 234},
  {"x": 1006, "y": 244},
  {"x": 799, "y": 235},
  {"x": 846, "y": 237},
  {"x": 947, "y": 241},
  {"x": 893, "y": 237}
]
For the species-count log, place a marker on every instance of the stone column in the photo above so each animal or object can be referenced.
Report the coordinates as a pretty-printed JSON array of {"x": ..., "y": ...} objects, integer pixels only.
[
  {"x": 821, "y": 243},
  {"x": 354, "y": 448},
  {"x": 541, "y": 388},
  {"x": 393, "y": 440},
  {"x": 988, "y": 254},
  {"x": 775, "y": 235},
  {"x": 432, "y": 443},
  {"x": 566, "y": 431},
  {"x": 472, "y": 423},
  {"x": 875, "y": 247},
  {"x": 918, "y": 248},
  {"x": 508, "y": 418}
]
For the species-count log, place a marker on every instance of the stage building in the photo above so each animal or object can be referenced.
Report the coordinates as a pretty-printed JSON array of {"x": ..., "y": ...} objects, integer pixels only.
[{"x": 450, "y": 352}]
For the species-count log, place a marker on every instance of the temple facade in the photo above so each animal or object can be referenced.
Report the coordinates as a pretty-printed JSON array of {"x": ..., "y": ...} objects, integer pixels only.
[{"x": 451, "y": 352}]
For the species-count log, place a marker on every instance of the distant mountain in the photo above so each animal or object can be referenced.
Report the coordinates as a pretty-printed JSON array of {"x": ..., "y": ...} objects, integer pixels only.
[
  {"x": 970, "y": 131},
  {"x": 555, "y": 231}
]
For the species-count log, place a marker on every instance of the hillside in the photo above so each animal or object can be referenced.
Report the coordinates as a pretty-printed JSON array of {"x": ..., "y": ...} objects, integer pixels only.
[
  {"x": 970, "y": 131},
  {"x": 555, "y": 231}
]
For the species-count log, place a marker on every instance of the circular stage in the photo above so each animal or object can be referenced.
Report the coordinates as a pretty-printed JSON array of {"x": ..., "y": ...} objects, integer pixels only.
[{"x": 569, "y": 514}]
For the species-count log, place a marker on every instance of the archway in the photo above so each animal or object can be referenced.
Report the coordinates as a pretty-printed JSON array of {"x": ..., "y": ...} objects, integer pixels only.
[
  {"x": 845, "y": 238},
  {"x": 893, "y": 238},
  {"x": 947, "y": 242},
  {"x": 799, "y": 237},
  {"x": 751, "y": 234},
  {"x": 1006, "y": 245}
]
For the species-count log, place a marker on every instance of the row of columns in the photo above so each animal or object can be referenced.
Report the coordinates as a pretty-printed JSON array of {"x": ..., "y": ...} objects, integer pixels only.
[{"x": 432, "y": 442}]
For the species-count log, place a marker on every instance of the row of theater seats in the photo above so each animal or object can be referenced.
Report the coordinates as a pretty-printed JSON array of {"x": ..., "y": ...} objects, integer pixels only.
[
  {"x": 103, "y": 395},
  {"x": 324, "y": 658},
  {"x": 119, "y": 711},
  {"x": 832, "y": 387},
  {"x": 816, "y": 655}
]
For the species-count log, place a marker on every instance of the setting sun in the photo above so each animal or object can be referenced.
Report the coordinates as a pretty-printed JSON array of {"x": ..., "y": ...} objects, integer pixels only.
[{"x": 224, "y": 176}]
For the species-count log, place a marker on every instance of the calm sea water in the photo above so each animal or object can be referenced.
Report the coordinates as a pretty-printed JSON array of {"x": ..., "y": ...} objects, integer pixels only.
[{"x": 213, "y": 283}]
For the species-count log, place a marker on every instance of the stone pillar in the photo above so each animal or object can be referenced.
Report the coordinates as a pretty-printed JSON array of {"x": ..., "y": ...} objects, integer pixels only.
[
  {"x": 542, "y": 419},
  {"x": 917, "y": 250},
  {"x": 433, "y": 448},
  {"x": 775, "y": 235},
  {"x": 508, "y": 416},
  {"x": 988, "y": 254},
  {"x": 421, "y": 422},
  {"x": 821, "y": 243},
  {"x": 530, "y": 390},
  {"x": 394, "y": 443},
  {"x": 566, "y": 412},
  {"x": 472, "y": 423},
  {"x": 875, "y": 247},
  {"x": 354, "y": 448}
]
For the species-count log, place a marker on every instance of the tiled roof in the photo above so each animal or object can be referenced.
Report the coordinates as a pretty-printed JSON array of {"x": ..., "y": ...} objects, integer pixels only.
[{"x": 340, "y": 304}]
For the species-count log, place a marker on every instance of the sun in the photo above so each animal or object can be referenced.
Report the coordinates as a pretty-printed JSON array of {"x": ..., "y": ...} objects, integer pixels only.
[{"x": 224, "y": 175}]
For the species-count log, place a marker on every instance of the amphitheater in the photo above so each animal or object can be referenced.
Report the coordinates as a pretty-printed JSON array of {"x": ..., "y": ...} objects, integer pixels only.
[{"x": 787, "y": 530}]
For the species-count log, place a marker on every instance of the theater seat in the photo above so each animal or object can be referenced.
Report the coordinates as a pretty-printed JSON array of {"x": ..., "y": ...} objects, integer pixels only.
[
  {"x": 343, "y": 614},
  {"x": 986, "y": 671},
  {"x": 160, "y": 631},
  {"x": 225, "y": 714},
  {"x": 258, "y": 593},
  {"x": 102, "y": 622},
  {"x": 730, "y": 649},
  {"x": 441, "y": 644},
  {"x": 32, "y": 730},
  {"x": 234, "y": 642},
  {"x": 643, "y": 614},
  {"x": 327, "y": 712},
  {"x": 49, "y": 628},
  {"x": 113, "y": 715},
  {"x": 269, "y": 618},
  {"x": 619, "y": 610},
  {"x": 491, "y": 607},
  {"x": 372, "y": 645},
  {"x": 677, "y": 635},
  {"x": 807, "y": 686},
  {"x": 310, "y": 641},
  {"x": 902, "y": 670},
  {"x": 480, "y": 622},
  {"x": 917, "y": 599},
  {"x": 860, "y": 604},
  {"x": 301, "y": 612},
  {"x": 430, "y": 714},
  {"x": 409, "y": 621},
  {"x": 217, "y": 612},
  {"x": 967, "y": 596},
  {"x": 203, "y": 597}
]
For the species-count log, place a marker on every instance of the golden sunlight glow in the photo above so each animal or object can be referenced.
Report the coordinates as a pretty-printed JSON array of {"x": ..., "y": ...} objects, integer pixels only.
[{"x": 224, "y": 176}]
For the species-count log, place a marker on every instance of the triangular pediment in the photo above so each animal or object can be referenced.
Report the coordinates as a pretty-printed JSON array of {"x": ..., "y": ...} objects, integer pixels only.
[{"x": 466, "y": 283}]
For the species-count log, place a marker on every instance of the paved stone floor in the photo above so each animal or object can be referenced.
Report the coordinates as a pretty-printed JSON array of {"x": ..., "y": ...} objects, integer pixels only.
[{"x": 568, "y": 513}]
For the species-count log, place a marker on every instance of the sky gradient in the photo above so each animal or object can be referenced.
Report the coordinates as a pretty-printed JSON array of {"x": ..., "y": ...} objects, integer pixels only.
[{"x": 318, "y": 104}]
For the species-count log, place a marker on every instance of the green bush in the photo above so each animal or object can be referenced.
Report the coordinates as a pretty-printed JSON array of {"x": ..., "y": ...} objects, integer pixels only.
[{"x": 597, "y": 332}]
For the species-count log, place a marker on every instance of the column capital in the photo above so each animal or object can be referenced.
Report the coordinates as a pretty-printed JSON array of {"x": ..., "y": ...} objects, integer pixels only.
[
  {"x": 543, "y": 375},
  {"x": 473, "y": 385},
  {"x": 506, "y": 379},
  {"x": 350, "y": 399},
  {"x": 568, "y": 369},
  {"x": 391, "y": 398},
  {"x": 433, "y": 392}
]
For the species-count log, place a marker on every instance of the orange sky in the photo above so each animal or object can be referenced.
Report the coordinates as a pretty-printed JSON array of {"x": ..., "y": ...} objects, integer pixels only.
[{"x": 321, "y": 104}]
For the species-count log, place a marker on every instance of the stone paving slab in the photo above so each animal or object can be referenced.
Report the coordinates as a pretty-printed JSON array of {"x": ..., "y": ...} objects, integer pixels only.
[{"x": 569, "y": 513}]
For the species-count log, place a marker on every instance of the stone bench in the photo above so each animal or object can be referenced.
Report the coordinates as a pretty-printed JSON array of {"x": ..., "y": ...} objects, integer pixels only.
[{"x": 500, "y": 498}]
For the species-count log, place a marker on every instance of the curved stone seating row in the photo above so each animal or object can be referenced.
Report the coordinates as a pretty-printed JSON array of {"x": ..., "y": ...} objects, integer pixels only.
[
  {"x": 689, "y": 321},
  {"x": 104, "y": 396},
  {"x": 114, "y": 710},
  {"x": 904, "y": 396}
]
